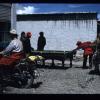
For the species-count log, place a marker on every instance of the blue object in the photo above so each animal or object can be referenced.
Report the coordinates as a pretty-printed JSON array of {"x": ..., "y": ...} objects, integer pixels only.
[{"x": 3, "y": 45}]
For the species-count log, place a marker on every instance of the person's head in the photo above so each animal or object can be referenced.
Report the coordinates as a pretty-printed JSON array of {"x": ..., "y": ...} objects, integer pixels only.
[
  {"x": 41, "y": 33},
  {"x": 23, "y": 34},
  {"x": 78, "y": 43},
  {"x": 28, "y": 34},
  {"x": 13, "y": 34}
]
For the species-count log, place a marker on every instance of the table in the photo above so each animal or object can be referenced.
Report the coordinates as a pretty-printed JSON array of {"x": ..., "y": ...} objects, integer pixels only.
[{"x": 55, "y": 55}]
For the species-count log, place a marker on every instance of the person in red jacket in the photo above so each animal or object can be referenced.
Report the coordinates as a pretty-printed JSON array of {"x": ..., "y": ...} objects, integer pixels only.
[{"x": 88, "y": 52}]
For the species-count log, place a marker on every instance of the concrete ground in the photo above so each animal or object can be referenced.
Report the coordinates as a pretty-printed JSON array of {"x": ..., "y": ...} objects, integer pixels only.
[{"x": 59, "y": 80}]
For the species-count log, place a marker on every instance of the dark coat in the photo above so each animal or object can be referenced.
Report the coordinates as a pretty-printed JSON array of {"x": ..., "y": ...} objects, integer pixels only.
[
  {"x": 41, "y": 43},
  {"x": 26, "y": 44}
]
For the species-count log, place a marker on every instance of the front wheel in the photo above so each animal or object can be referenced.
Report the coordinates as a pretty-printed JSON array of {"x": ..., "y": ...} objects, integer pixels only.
[{"x": 23, "y": 77}]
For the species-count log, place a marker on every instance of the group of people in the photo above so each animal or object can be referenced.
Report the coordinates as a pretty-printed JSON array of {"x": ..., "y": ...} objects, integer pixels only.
[
  {"x": 22, "y": 47},
  {"x": 25, "y": 38},
  {"x": 19, "y": 48}
]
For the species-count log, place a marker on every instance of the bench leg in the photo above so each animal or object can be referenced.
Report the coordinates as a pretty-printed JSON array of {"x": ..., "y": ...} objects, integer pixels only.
[
  {"x": 53, "y": 64},
  {"x": 70, "y": 62},
  {"x": 63, "y": 63},
  {"x": 43, "y": 63}
]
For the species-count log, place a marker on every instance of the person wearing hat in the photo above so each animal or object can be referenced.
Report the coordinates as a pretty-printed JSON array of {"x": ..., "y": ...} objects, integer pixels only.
[
  {"x": 25, "y": 38},
  {"x": 88, "y": 51},
  {"x": 14, "y": 49}
]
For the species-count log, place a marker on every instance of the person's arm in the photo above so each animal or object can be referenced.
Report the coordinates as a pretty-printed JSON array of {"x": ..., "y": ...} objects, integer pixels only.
[{"x": 77, "y": 48}]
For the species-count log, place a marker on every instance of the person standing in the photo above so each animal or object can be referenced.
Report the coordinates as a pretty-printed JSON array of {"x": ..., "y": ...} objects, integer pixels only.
[
  {"x": 25, "y": 38},
  {"x": 96, "y": 56},
  {"x": 28, "y": 43},
  {"x": 41, "y": 42},
  {"x": 88, "y": 52}
]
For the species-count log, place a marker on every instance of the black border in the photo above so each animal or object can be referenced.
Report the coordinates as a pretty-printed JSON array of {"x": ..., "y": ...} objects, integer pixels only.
[
  {"x": 49, "y": 1},
  {"x": 50, "y": 96}
]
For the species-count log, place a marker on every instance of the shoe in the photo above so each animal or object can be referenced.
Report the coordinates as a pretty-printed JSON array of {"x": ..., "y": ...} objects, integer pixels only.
[{"x": 96, "y": 71}]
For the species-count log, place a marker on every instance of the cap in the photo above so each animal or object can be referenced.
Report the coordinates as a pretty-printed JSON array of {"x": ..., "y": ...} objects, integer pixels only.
[
  {"x": 29, "y": 34},
  {"x": 13, "y": 31}
]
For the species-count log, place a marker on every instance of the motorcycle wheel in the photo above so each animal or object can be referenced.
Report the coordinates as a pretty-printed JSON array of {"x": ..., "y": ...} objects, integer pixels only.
[
  {"x": 29, "y": 82},
  {"x": 24, "y": 80}
]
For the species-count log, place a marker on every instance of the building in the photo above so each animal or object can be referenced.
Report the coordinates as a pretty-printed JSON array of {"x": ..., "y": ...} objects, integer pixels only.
[
  {"x": 7, "y": 20},
  {"x": 98, "y": 27},
  {"x": 62, "y": 30}
]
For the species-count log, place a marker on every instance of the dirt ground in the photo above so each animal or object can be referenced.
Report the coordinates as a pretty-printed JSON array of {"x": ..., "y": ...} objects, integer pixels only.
[{"x": 59, "y": 80}]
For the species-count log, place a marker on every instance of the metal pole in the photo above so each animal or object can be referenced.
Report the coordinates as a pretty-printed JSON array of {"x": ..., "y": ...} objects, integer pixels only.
[{"x": 13, "y": 16}]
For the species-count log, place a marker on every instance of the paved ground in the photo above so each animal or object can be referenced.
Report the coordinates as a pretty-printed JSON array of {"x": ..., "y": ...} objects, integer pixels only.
[{"x": 73, "y": 80}]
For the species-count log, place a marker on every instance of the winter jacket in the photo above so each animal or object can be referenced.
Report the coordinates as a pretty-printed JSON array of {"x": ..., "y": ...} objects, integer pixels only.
[{"x": 86, "y": 47}]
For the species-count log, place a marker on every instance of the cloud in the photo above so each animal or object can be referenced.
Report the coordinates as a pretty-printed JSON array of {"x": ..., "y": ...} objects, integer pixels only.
[
  {"x": 74, "y": 6},
  {"x": 98, "y": 16},
  {"x": 27, "y": 10}
]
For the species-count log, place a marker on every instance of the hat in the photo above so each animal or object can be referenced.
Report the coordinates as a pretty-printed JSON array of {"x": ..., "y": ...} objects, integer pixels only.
[
  {"x": 78, "y": 42},
  {"x": 13, "y": 31},
  {"x": 29, "y": 34}
]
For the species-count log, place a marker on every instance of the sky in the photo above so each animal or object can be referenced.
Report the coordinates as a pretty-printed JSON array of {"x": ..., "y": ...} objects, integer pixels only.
[{"x": 33, "y": 8}]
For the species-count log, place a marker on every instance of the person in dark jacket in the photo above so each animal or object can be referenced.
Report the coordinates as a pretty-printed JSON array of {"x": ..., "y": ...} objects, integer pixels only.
[
  {"x": 96, "y": 56},
  {"x": 41, "y": 42},
  {"x": 25, "y": 38}
]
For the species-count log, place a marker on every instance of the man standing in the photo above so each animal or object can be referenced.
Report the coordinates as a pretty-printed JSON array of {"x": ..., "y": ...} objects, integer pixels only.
[
  {"x": 25, "y": 38},
  {"x": 96, "y": 57},
  {"x": 41, "y": 42}
]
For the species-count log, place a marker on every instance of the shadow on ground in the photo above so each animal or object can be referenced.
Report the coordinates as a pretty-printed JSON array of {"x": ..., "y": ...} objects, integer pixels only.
[
  {"x": 93, "y": 72},
  {"x": 36, "y": 85},
  {"x": 53, "y": 67},
  {"x": 81, "y": 67}
]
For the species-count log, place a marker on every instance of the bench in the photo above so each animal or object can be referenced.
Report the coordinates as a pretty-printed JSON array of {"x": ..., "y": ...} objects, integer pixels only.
[{"x": 55, "y": 55}]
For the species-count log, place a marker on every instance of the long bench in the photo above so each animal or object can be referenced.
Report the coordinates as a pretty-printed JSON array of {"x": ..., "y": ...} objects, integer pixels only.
[{"x": 55, "y": 55}]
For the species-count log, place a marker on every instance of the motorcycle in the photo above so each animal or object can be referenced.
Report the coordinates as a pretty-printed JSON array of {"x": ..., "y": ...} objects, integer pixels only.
[{"x": 23, "y": 73}]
